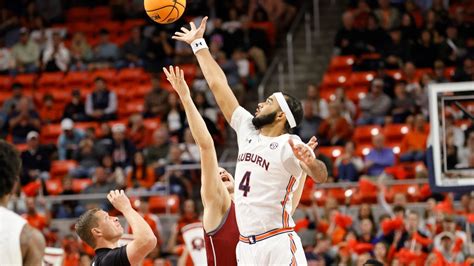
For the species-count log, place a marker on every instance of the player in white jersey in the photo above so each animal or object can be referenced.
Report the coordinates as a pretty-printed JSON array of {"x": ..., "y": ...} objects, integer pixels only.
[
  {"x": 269, "y": 165},
  {"x": 19, "y": 242}
]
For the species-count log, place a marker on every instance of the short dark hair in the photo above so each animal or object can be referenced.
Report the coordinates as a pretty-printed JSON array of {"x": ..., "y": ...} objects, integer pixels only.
[
  {"x": 373, "y": 262},
  {"x": 398, "y": 208},
  {"x": 99, "y": 78},
  {"x": 17, "y": 85},
  {"x": 296, "y": 109},
  {"x": 10, "y": 166},
  {"x": 84, "y": 226}
]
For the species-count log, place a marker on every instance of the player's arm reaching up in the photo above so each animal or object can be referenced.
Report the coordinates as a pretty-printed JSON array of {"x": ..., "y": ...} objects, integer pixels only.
[
  {"x": 213, "y": 192},
  {"x": 310, "y": 165},
  {"x": 214, "y": 75}
]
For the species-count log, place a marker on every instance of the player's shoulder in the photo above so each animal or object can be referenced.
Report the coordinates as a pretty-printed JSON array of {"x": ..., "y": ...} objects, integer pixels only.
[{"x": 286, "y": 137}]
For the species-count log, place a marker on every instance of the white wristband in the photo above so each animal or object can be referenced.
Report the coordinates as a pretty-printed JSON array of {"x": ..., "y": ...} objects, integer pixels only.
[{"x": 198, "y": 44}]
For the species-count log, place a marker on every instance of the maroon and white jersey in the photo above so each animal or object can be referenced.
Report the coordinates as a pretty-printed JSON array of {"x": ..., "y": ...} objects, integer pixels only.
[
  {"x": 266, "y": 175},
  {"x": 193, "y": 235}
]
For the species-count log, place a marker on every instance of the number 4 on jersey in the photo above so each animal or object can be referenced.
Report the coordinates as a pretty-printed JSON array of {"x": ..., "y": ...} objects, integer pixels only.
[{"x": 244, "y": 184}]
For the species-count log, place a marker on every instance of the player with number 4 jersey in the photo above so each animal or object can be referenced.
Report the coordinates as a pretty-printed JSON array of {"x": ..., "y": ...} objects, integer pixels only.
[{"x": 270, "y": 164}]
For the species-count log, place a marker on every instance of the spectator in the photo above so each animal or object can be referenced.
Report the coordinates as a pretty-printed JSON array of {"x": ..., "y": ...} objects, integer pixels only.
[
  {"x": 106, "y": 53},
  {"x": 403, "y": 105},
  {"x": 75, "y": 109},
  {"x": 447, "y": 248},
  {"x": 23, "y": 120},
  {"x": 414, "y": 142},
  {"x": 408, "y": 28},
  {"x": 33, "y": 217},
  {"x": 334, "y": 130},
  {"x": 349, "y": 165},
  {"x": 175, "y": 117},
  {"x": 159, "y": 147},
  {"x": 101, "y": 185},
  {"x": 366, "y": 231},
  {"x": 137, "y": 132},
  {"x": 56, "y": 56},
  {"x": 188, "y": 216},
  {"x": 101, "y": 104},
  {"x": 66, "y": 209},
  {"x": 26, "y": 53},
  {"x": 81, "y": 52},
  {"x": 49, "y": 111},
  {"x": 361, "y": 14},
  {"x": 179, "y": 180},
  {"x": 466, "y": 73},
  {"x": 396, "y": 50},
  {"x": 87, "y": 158},
  {"x": 375, "y": 105},
  {"x": 122, "y": 149},
  {"x": 348, "y": 108},
  {"x": 7, "y": 61},
  {"x": 452, "y": 49},
  {"x": 189, "y": 148},
  {"x": 68, "y": 141},
  {"x": 158, "y": 51},
  {"x": 9, "y": 106},
  {"x": 152, "y": 219},
  {"x": 388, "y": 16},
  {"x": 134, "y": 49},
  {"x": 309, "y": 123},
  {"x": 320, "y": 106},
  {"x": 347, "y": 37},
  {"x": 424, "y": 51},
  {"x": 374, "y": 37},
  {"x": 140, "y": 176},
  {"x": 438, "y": 72},
  {"x": 156, "y": 100},
  {"x": 466, "y": 152},
  {"x": 379, "y": 157},
  {"x": 449, "y": 227},
  {"x": 35, "y": 160},
  {"x": 208, "y": 112}
]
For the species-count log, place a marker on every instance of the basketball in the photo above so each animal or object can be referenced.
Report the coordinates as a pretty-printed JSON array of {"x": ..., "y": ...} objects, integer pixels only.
[{"x": 165, "y": 11}]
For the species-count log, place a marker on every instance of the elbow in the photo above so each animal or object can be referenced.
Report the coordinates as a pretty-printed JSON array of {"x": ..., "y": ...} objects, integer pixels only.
[{"x": 149, "y": 243}]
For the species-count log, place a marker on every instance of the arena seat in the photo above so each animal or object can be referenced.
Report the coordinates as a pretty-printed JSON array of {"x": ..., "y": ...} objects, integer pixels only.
[
  {"x": 161, "y": 204},
  {"x": 21, "y": 147},
  {"x": 52, "y": 79},
  {"x": 395, "y": 73},
  {"x": 27, "y": 80},
  {"x": 140, "y": 91},
  {"x": 85, "y": 125},
  {"x": 327, "y": 94},
  {"x": 331, "y": 151},
  {"x": 89, "y": 29},
  {"x": 61, "y": 168},
  {"x": 361, "y": 78},
  {"x": 363, "y": 149},
  {"x": 395, "y": 132},
  {"x": 131, "y": 23},
  {"x": 132, "y": 76},
  {"x": 341, "y": 63},
  {"x": 109, "y": 75},
  {"x": 78, "y": 79},
  {"x": 189, "y": 72},
  {"x": 78, "y": 185},
  {"x": 4, "y": 95},
  {"x": 50, "y": 133},
  {"x": 355, "y": 94},
  {"x": 77, "y": 14},
  {"x": 364, "y": 134},
  {"x": 101, "y": 13},
  {"x": 336, "y": 79},
  {"x": 5, "y": 82},
  {"x": 54, "y": 186}
]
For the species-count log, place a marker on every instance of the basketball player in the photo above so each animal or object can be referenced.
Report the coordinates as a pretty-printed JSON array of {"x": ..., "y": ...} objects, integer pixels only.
[
  {"x": 19, "y": 242},
  {"x": 269, "y": 166},
  {"x": 102, "y": 232}
]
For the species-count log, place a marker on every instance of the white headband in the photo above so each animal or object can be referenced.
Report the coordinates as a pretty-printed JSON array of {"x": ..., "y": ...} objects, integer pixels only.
[{"x": 285, "y": 108}]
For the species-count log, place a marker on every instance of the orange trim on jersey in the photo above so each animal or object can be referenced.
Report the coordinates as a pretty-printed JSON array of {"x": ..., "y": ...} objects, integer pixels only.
[
  {"x": 260, "y": 237},
  {"x": 285, "y": 215},
  {"x": 293, "y": 250}
]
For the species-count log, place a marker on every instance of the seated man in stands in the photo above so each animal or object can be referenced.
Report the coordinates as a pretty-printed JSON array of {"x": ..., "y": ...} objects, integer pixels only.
[
  {"x": 379, "y": 157},
  {"x": 375, "y": 105},
  {"x": 413, "y": 146},
  {"x": 35, "y": 160},
  {"x": 23, "y": 120},
  {"x": 101, "y": 104}
]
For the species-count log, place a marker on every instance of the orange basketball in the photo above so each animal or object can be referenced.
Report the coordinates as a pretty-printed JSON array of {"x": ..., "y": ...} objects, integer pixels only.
[{"x": 165, "y": 11}]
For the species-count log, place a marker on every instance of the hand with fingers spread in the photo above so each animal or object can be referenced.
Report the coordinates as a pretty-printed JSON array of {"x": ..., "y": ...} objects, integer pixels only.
[
  {"x": 175, "y": 76},
  {"x": 313, "y": 143},
  {"x": 302, "y": 152},
  {"x": 119, "y": 200},
  {"x": 188, "y": 36}
]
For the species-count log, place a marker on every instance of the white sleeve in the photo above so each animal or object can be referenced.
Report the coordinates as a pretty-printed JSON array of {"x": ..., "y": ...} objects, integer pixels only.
[
  {"x": 241, "y": 122},
  {"x": 290, "y": 162}
]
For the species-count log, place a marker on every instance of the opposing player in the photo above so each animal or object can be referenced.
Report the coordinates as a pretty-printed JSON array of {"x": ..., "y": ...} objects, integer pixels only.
[
  {"x": 103, "y": 232},
  {"x": 269, "y": 165},
  {"x": 217, "y": 185},
  {"x": 19, "y": 242}
]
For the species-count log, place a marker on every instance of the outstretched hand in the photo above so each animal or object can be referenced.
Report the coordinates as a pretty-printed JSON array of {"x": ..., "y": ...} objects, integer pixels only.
[
  {"x": 188, "y": 36},
  {"x": 175, "y": 76},
  {"x": 119, "y": 200},
  {"x": 303, "y": 153}
]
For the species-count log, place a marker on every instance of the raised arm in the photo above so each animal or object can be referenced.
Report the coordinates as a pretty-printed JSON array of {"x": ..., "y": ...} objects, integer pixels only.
[
  {"x": 213, "y": 73},
  {"x": 144, "y": 241},
  {"x": 213, "y": 191},
  {"x": 310, "y": 165}
]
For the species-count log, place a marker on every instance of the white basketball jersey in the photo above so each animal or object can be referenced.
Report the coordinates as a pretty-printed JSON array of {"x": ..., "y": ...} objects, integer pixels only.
[
  {"x": 11, "y": 225},
  {"x": 266, "y": 175},
  {"x": 193, "y": 235},
  {"x": 53, "y": 256}
]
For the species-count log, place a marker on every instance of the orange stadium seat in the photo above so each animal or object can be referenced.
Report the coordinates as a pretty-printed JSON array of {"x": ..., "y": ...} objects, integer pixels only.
[
  {"x": 395, "y": 132},
  {"x": 355, "y": 94},
  {"x": 327, "y": 94},
  {"x": 4, "y": 95},
  {"x": 78, "y": 79},
  {"x": 5, "y": 82},
  {"x": 361, "y": 78},
  {"x": 50, "y": 133},
  {"x": 27, "y": 80},
  {"x": 395, "y": 73},
  {"x": 53, "y": 79},
  {"x": 363, "y": 149},
  {"x": 54, "y": 186},
  {"x": 449, "y": 72},
  {"x": 76, "y": 14},
  {"x": 114, "y": 27},
  {"x": 189, "y": 72},
  {"x": 131, "y": 23},
  {"x": 78, "y": 185},
  {"x": 338, "y": 194},
  {"x": 60, "y": 168},
  {"x": 341, "y": 63},
  {"x": 363, "y": 134},
  {"x": 101, "y": 13},
  {"x": 140, "y": 91},
  {"x": 21, "y": 147},
  {"x": 331, "y": 151},
  {"x": 109, "y": 75},
  {"x": 335, "y": 79},
  {"x": 132, "y": 75},
  {"x": 89, "y": 29},
  {"x": 162, "y": 204}
]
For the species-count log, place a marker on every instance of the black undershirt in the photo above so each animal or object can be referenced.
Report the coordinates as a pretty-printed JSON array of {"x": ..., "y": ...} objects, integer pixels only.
[{"x": 108, "y": 256}]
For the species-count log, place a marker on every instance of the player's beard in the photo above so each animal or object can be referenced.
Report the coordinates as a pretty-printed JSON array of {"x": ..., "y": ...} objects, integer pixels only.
[{"x": 263, "y": 120}]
